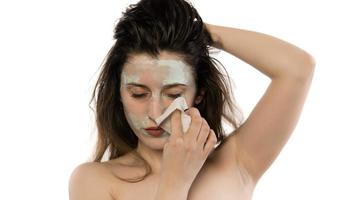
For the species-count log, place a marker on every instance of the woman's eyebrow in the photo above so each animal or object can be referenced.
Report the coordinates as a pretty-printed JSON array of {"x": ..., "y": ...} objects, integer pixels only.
[{"x": 163, "y": 88}]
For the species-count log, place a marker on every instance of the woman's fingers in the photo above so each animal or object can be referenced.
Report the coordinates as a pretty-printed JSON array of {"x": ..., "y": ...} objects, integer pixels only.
[
  {"x": 210, "y": 143},
  {"x": 204, "y": 132},
  {"x": 198, "y": 134},
  {"x": 176, "y": 126},
  {"x": 195, "y": 125}
]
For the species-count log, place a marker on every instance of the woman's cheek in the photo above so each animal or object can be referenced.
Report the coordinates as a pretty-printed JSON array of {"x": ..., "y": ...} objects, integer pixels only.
[{"x": 137, "y": 122}]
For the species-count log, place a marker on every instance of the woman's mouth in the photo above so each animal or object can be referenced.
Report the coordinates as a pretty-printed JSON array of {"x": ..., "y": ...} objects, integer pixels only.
[{"x": 155, "y": 131}]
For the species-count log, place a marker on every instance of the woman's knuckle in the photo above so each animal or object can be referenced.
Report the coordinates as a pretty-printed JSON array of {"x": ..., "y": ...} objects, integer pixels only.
[
  {"x": 187, "y": 148},
  {"x": 190, "y": 110},
  {"x": 175, "y": 142},
  {"x": 196, "y": 111},
  {"x": 205, "y": 123},
  {"x": 197, "y": 119},
  {"x": 214, "y": 140},
  {"x": 193, "y": 111},
  {"x": 206, "y": 128},
  {"x": 213, "y": 136},
  {"x": 191, "y": 148}
]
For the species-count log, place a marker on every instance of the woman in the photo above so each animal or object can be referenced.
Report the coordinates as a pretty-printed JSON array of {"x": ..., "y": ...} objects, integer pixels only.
[{"x": 161, "y": 53}]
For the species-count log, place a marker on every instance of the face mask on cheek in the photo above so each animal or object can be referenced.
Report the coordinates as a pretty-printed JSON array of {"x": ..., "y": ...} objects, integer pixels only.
[{"x": 137, "y": 123}]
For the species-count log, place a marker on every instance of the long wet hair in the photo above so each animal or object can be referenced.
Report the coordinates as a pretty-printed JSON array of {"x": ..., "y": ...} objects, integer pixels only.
[{"x": 151, "y": 26}]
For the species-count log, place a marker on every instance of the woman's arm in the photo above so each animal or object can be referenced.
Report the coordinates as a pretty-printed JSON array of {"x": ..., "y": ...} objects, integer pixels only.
[
  {"x": 262, "y": 136},
  {"x": 273, "y": 57}
]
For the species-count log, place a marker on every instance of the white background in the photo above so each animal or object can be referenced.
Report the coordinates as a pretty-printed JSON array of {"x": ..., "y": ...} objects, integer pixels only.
[{"x": 50, "y": 53}]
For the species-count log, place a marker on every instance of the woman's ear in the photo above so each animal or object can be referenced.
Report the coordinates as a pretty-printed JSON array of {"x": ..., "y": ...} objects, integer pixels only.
[
  {"x": 199, "y": 97},
  {"x": 197, "y": 100}
]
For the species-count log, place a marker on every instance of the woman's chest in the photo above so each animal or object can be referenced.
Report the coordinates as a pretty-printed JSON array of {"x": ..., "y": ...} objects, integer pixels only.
[{"x": 209, "y": 184}]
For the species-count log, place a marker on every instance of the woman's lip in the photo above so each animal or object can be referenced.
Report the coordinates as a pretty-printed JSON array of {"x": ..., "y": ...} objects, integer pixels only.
[
  {"x": 154, "y": 128},
  {"x": 155, "y": 132}
]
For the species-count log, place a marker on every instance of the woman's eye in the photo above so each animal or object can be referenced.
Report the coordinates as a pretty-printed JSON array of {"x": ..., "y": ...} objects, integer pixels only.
[
  {"x": 138, "y": 95},
  {"x": 144, "y": 94},
  {"x": 174, "y": 95}
]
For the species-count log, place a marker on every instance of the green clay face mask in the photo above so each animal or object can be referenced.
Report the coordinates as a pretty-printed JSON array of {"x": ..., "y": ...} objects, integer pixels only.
[
  {"x": 155, "y": 76},
  {"x": 166, "y": 71}
]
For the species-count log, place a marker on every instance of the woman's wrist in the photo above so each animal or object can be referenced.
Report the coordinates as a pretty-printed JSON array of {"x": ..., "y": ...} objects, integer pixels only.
[{"x": 212, "y": 29}]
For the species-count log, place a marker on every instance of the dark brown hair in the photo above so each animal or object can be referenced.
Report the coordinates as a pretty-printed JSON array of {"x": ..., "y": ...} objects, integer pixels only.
[{"x": 151, "y": 26}]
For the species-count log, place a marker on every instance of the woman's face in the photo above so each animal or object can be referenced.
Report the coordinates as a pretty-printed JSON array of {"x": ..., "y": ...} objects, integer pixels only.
[{"x": 148, "y": 86}]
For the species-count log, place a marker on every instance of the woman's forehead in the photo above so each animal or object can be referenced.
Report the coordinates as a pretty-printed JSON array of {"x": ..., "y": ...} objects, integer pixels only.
[
  {"x": 156, "y": 66},
  {"x": 142, "y": 61},
  {"x": 167, "y": 68},
  {"x": 164, "y": 71},
  {"x": 164, "y": 58},
  {"x": 161, "y": 74}
]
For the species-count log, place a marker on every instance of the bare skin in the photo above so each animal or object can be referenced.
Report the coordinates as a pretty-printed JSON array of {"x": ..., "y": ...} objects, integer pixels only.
[{"x": 233, "y": 171}]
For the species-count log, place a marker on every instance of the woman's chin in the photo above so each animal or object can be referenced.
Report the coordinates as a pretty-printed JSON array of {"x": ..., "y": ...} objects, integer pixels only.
[{"x": 154, "y": 143}]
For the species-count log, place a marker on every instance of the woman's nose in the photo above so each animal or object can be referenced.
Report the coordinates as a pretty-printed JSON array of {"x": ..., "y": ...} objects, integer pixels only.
[{"x": 156, "y": 108}]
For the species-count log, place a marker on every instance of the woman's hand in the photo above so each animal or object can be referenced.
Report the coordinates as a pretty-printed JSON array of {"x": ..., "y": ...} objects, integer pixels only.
[
  {"x": 185, "y": 153},
  {"x": 211, "y": 30}
]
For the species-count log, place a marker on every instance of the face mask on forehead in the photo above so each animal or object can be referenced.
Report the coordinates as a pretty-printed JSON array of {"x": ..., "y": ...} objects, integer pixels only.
[{"x": 167, "y": 71}]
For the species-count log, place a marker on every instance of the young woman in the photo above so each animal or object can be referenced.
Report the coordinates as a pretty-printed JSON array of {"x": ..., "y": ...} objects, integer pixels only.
[{"x": 161, "y": 53}]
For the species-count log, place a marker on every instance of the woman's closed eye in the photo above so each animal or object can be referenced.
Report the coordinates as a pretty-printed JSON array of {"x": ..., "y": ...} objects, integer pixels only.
[
  {"x": 174, "y": 96},
  {"x": 138, "y": 95}
]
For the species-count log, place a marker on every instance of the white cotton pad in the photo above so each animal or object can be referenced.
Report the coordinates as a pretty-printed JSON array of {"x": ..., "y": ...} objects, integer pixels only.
[{"x": 164, "y": 120}]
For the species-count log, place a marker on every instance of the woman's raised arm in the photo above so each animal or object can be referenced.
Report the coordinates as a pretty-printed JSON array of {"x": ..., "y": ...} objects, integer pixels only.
[{"x": 262, "y": 136}]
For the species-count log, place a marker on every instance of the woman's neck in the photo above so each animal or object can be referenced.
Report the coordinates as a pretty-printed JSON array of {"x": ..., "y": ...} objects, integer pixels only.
[{"x": 152, "y": 156}]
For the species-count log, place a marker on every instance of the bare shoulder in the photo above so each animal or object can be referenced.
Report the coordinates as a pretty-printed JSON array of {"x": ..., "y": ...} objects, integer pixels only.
[{"x": 90, "y": 181}]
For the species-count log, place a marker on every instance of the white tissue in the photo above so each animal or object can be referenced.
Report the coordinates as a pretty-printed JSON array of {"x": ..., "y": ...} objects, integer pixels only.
[{"x": 164, "y": 120}]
